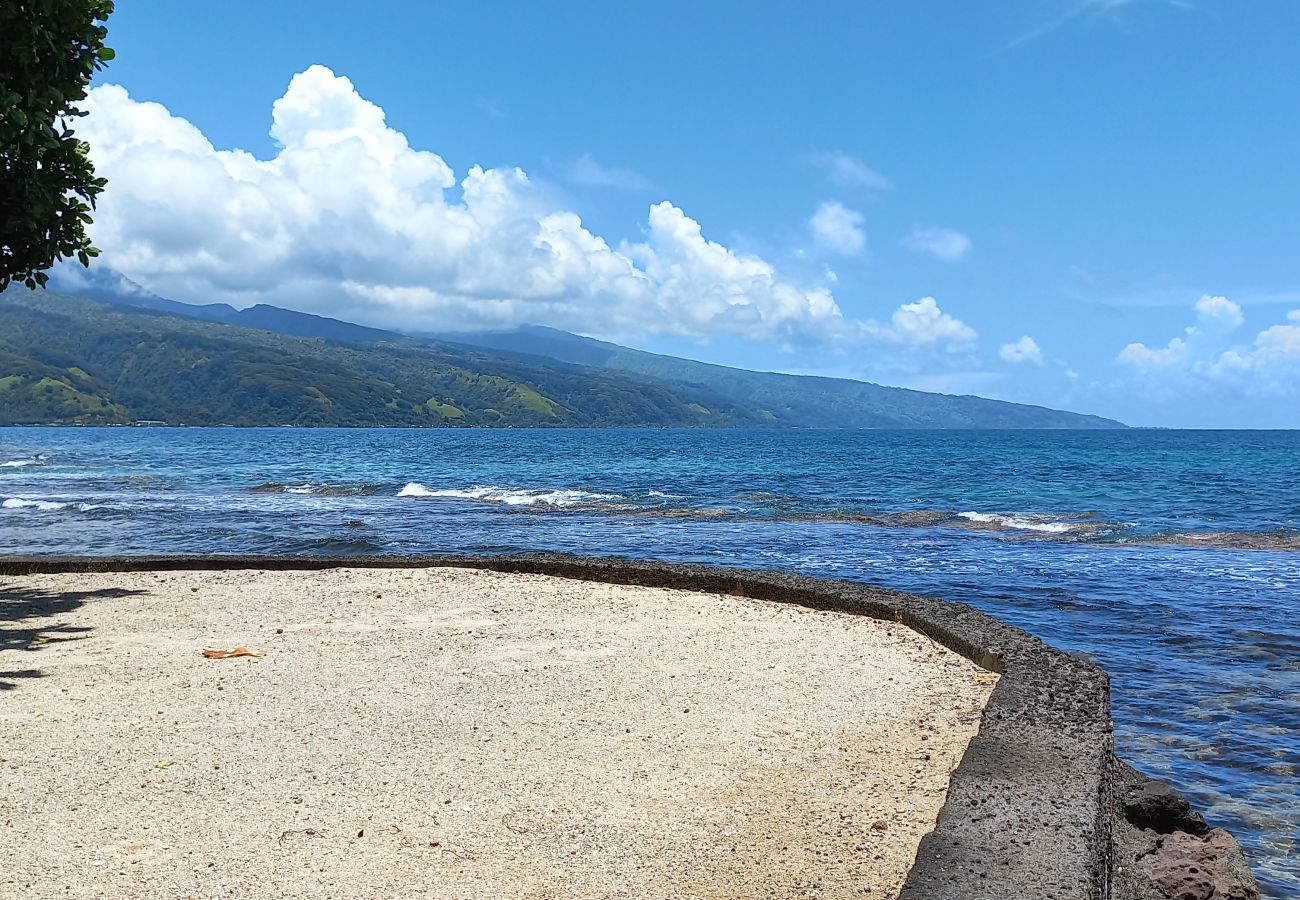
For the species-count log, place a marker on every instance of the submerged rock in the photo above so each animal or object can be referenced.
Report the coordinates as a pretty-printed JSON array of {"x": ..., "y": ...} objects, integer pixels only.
[
  {"x": 1165, "y": 850},
  {"x": 1207, "y": 867},
  {"x": 1157, "y": 806}
]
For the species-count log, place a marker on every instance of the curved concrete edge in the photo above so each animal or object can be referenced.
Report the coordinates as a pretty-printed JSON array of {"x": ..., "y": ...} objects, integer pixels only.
[{"x": 1033, "y": 804}]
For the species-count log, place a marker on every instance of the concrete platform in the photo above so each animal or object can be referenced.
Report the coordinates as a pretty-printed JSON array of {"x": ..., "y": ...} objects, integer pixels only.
[
  {"x": 449, "y": 733},
  {"x": 1038, "y": 805}
]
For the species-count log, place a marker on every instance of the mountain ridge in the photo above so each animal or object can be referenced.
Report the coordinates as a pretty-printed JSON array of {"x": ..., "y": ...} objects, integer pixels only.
[
  {"x": 827, "y": 411},
  {"x": 69, "y": 360},
  {"x": 299, "y": 368}
]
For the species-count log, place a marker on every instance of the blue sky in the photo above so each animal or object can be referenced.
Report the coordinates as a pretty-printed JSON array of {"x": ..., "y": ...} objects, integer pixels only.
[{"x": 1036, "y": 200}]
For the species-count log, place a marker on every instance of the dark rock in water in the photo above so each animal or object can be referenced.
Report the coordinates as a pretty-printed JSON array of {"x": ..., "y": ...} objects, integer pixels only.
[
  {"x": 1164, "y": 850},
  {"x": 1157, "y": 806},
  {"x": 268, "y": 487},
  {"x": 1210, "y": 867},
  {"x": 1236, "y": 540},
  {"x": 921, "y": 517}
]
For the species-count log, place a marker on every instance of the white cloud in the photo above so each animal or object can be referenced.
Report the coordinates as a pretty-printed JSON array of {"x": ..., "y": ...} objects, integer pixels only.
[
  {"x": 1268, "y": 365},
  {"x": 922, "y": 323},
  {"x": 1216, "y": 317},
  {"x": 1144, "y": 357},
  {"x": 1024, "y": 350},
  {"x": 348, "y": 219},
  {"x": 1271, "y": 363},
  {"x": 1281, "y": 339},
  {"x": 838, "y": 228},
  {"x": 944, "y": 244},
  {"x": 849, "y": 171},
  {"x": 1219, "y": 311}
]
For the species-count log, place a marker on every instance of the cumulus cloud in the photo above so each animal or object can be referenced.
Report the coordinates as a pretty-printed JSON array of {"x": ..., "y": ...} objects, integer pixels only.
[
  {"x": 924, "y": 323},
  {"x": 1270, "y": 364},
  {"x": 1140, "y": 355},
  {"x": 1267, "y": 365},
  {"x": 943, "y": 244},
  {"x": 849, "y": 171},
  {"x": 1219, "y": 311},
  {"x": 347, "y": 218},
  {"x": 1024, "y": 350},
  {"x": 1215, "y": 317},
  {"x": 838, "y": 228}
]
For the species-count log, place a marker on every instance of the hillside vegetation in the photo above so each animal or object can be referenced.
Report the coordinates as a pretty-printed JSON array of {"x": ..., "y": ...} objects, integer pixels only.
[
  {"x": 67, "y": 359},
  {"x": 803, "y": 400},
  {"x": 71, "y": 359}
]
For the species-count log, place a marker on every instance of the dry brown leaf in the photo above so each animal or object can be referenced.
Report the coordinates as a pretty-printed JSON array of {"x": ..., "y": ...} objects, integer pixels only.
[{"x": 231, "y": 654}]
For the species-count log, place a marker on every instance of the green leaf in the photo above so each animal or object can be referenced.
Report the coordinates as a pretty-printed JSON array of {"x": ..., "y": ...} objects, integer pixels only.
[{"x": 49, "y": 50}]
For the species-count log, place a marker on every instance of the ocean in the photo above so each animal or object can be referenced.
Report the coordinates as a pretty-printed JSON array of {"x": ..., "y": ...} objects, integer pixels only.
[{"x": 1171, "y": 557}]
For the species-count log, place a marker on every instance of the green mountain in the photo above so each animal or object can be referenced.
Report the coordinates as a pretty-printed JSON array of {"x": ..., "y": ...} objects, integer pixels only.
[
  {"x": 136, "y": 356},
  {"x": 803, "y": 400},
  {"x": 66, "y": 359}
]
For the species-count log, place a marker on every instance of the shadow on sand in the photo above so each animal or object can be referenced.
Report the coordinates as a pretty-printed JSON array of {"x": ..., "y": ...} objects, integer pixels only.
[{"x": 29, "y": 621}]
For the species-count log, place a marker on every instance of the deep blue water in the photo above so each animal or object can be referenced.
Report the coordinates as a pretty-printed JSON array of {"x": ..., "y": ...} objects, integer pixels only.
[{"x": 1065, "y": 534}]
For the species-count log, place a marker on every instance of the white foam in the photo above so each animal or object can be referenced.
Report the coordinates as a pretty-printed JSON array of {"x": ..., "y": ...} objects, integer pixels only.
[
  {"x": 508, "y": 496},
  {"x": 1020, "y": 523},
  {"x": 415, "y": 489},
  {"x": 660, "y": 495},
  {"x": 34, "y": 460},
  {"x": 46, "y": 505},
  {"x": 20, "y": 503}
]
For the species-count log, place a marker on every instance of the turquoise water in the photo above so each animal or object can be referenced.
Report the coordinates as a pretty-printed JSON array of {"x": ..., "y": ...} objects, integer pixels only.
[{"x": 1125, "y": 545}]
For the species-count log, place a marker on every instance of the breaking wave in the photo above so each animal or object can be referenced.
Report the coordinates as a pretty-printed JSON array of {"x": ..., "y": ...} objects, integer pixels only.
[
  {"x": 23, "y": 463},
  {"x": 1085, "y": 527},
  {"x": 1068, "y": 526},
  {"x": 319, "y": 490},
  {"x": 48, "y": 505},
  {"x": 510, "y": 496},
  {"x": 1030, "y": 522}
]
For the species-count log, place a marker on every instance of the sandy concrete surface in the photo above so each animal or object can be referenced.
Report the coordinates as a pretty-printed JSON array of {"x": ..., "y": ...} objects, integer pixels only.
[{"x": 453, "y": 733}]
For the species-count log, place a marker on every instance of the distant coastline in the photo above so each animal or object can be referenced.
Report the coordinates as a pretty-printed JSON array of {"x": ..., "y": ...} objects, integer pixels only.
[{"x": 72, "y": 360}]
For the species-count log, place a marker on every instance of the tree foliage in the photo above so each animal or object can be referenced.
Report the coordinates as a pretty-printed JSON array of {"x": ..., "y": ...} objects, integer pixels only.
[{"x": 49, "y": 49}]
